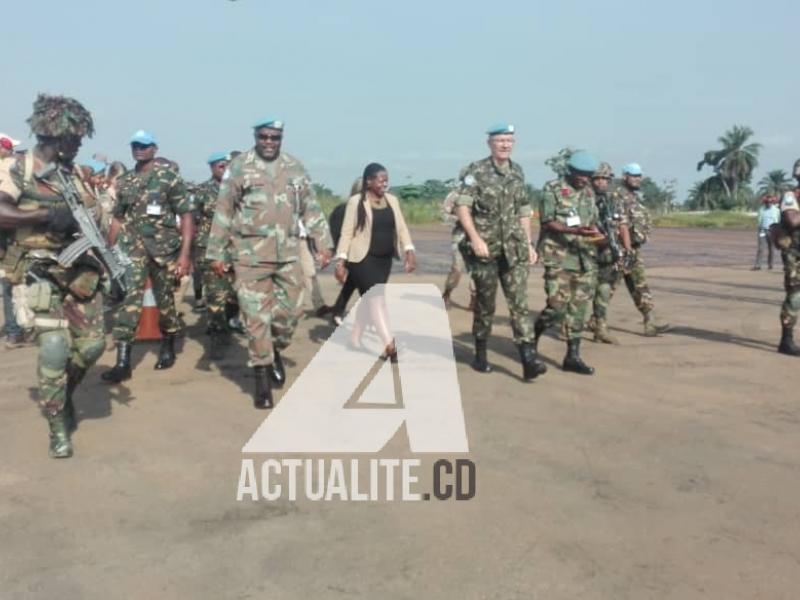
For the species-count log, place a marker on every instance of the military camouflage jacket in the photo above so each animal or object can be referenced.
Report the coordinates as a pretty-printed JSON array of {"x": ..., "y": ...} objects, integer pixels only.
[
  {"x": 634, "y": 214},
  {"x": 563, "y": 203},
  {"x": 791, "y": 201},
  {"x": 609, "y": 214},
  {"x": 205, "y": 201},
  {"x": 30, "y": 243},
  {"x": 261, "y": 209},
  {"x": 497, "y": 199},
  {"x": 148, "y": 204}
]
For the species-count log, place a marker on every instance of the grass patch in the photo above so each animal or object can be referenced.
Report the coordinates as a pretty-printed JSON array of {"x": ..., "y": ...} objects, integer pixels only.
[{"x": 717, "y": 219}]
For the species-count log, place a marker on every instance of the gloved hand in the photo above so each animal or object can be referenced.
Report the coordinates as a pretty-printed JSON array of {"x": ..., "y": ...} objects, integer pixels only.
[{"x": 60, "y": 220}]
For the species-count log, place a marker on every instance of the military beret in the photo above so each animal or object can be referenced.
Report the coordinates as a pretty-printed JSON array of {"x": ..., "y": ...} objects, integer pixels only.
[
  {"x": 97, "y": 166},
  {"x": 632, "y": 169},
  {"x": 145, "y": 138},
  {"x": 583, "y": 161},
  {"x": 271, "y": 122},
  {"x": 216, "y": 157},
  {"x": 500, "y": 128}
]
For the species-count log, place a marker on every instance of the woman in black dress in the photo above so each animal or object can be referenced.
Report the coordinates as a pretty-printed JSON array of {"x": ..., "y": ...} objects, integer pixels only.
[{"x": 373, "y": 233}]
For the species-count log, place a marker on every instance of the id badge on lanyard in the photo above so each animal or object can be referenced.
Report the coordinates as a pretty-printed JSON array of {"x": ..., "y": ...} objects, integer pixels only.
[{"x": 153, "y": 204}]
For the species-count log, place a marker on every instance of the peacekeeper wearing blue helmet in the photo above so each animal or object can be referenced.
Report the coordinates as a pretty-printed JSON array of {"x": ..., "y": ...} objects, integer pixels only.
[
  {"x": 568, "y": 248},
  {"x": 494, "y": 210}
]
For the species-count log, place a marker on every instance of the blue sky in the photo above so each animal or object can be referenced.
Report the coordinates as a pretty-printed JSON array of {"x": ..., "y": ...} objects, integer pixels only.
[{"x": 414, "y": 84}]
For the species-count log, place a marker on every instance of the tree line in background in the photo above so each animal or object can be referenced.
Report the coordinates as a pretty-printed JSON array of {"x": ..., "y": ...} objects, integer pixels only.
[{"x": 728, "y": 188}]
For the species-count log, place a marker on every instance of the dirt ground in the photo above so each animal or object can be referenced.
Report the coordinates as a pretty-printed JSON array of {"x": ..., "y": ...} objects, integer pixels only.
[{"x": 673, "y": 473}]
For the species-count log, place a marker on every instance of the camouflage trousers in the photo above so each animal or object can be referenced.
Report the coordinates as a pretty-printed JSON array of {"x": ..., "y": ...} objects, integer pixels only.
[
  {"x": 126, "y": 317},
  {"x": 219, "y": 294},
  {"x": 791, "y": 283},
  {"x": 635, "y": 281},
  {"x": 607, "y": 278},
  {"x": 514, "y": 281},
  {"x": 457, "y": 268},
  {"x": 569, "y": 299},
  {"x": 68, "y": 330},
  {"x": 270, "y": 297},
  {"x": 310, "y": 280}
]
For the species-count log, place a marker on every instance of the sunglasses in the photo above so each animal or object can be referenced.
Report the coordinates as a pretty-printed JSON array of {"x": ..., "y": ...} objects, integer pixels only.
[
  {"x": 138, "y": 146},
  {"x": 270, "y": 137}
]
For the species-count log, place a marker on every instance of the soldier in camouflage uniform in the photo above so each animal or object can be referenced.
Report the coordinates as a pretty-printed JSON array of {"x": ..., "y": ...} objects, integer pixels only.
[
  {"x": 66, "y": 301},
  {"x": 636, "y": 221},
  {"x": 788, "y": 240},
  {"x": 568, "y": 246},
  {"x": 149, "y": 199},
  {"x": 219, "y": 293},
  {"x": 608, "y": 265},
  {"x": 494, "y": 211},
  {"x": 457, "y": 266},
  {"x": 263, "y": 198}
]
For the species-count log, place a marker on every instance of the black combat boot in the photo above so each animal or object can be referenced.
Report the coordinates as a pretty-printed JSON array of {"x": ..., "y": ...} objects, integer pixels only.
[
  {"x": 276, "y": 372},
  {"x": 122, "y": 370},
  {"x": 60, "y": 443},
  {"x": 787, "y": 345},
  {"x": 532, "y": 367},
  {"x": 166, "y": 353},
  {"x": 481, "y": 364},
  {"x": 573, "y": 361},
  {"x": 75, "y": 375},
  {"x": 263, "y": 393},
  {"x": 538, "y": 329}
]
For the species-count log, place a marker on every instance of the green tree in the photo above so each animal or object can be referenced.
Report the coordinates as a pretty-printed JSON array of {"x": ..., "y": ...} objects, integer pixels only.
[
  {"x": 774, "y": 183},
  {"x": 734, "y": 162},
  {"x": 658, "y": 198}
]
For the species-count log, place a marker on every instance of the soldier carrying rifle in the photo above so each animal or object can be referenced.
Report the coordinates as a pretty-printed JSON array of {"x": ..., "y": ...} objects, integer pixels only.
[{"x": 63, "y": 285}]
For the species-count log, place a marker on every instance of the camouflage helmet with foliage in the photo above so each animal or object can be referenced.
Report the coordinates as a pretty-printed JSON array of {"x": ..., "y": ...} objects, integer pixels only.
[
  {"x": 604, "y": 170},
  {"x": 59, "y": 116}
]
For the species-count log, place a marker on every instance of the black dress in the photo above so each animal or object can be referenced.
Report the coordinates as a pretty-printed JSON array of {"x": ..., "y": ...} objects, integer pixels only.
[{"x": 377, "y": 264}]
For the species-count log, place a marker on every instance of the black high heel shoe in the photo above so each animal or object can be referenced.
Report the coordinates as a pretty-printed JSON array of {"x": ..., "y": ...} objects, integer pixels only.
[{"x": 390, "y": 352}]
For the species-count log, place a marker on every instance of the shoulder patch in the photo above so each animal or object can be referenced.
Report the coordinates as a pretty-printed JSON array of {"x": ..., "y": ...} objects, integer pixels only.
[{"x": 469, "y": 180}]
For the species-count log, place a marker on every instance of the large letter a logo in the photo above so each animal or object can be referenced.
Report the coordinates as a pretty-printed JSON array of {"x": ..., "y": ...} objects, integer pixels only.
[{"x": 312, "y": 416}]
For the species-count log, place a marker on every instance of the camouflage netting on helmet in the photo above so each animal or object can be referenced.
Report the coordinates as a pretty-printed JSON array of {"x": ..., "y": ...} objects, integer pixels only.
[
  {"x": 604, "y": 170},
  {"x": 56, "y": 116}
]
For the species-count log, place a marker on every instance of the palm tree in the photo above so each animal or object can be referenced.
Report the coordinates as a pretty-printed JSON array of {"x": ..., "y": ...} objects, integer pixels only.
[
  {"x": 774, "y": 183},
  {"x": 735, "y": 161},
  {"x": 707, "y": 195}
]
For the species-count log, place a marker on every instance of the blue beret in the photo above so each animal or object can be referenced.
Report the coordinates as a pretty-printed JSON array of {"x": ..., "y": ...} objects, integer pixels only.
[
  {"x": 271, "y": 122},
  {"x": 583, "y": 161},
  {"x": 500, "y": 128},
  {"x": 143, "y": 137},
  {"x": 97, "y": 166},
  {"x": 632, "y": 169},
  {"x": 217, "y": 156}
]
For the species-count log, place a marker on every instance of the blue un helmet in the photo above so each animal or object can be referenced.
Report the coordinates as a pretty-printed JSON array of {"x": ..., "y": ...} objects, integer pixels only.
[{"x": 583, "y": 162}]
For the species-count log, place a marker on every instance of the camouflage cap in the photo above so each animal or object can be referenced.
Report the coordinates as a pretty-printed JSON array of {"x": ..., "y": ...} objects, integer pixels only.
[
  {"x": 604, "y": 170},
  {"x": 57, "y": 116}
]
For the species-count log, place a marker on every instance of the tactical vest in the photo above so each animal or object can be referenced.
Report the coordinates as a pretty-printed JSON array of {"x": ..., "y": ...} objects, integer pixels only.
[{"x": 35, "y": 241}]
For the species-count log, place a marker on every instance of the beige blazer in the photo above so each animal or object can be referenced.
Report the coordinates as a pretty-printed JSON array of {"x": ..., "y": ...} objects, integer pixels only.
[{"x": 354, "y": 245}]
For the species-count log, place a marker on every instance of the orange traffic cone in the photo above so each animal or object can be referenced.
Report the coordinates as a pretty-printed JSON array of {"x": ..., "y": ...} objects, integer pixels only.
[{"x": 148, "y": 322}]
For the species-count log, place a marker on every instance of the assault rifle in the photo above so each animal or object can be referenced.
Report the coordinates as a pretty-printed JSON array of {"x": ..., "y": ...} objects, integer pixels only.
[
  {"x": 607, "y": 226},
  {"x": 91, "y": 238}
]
